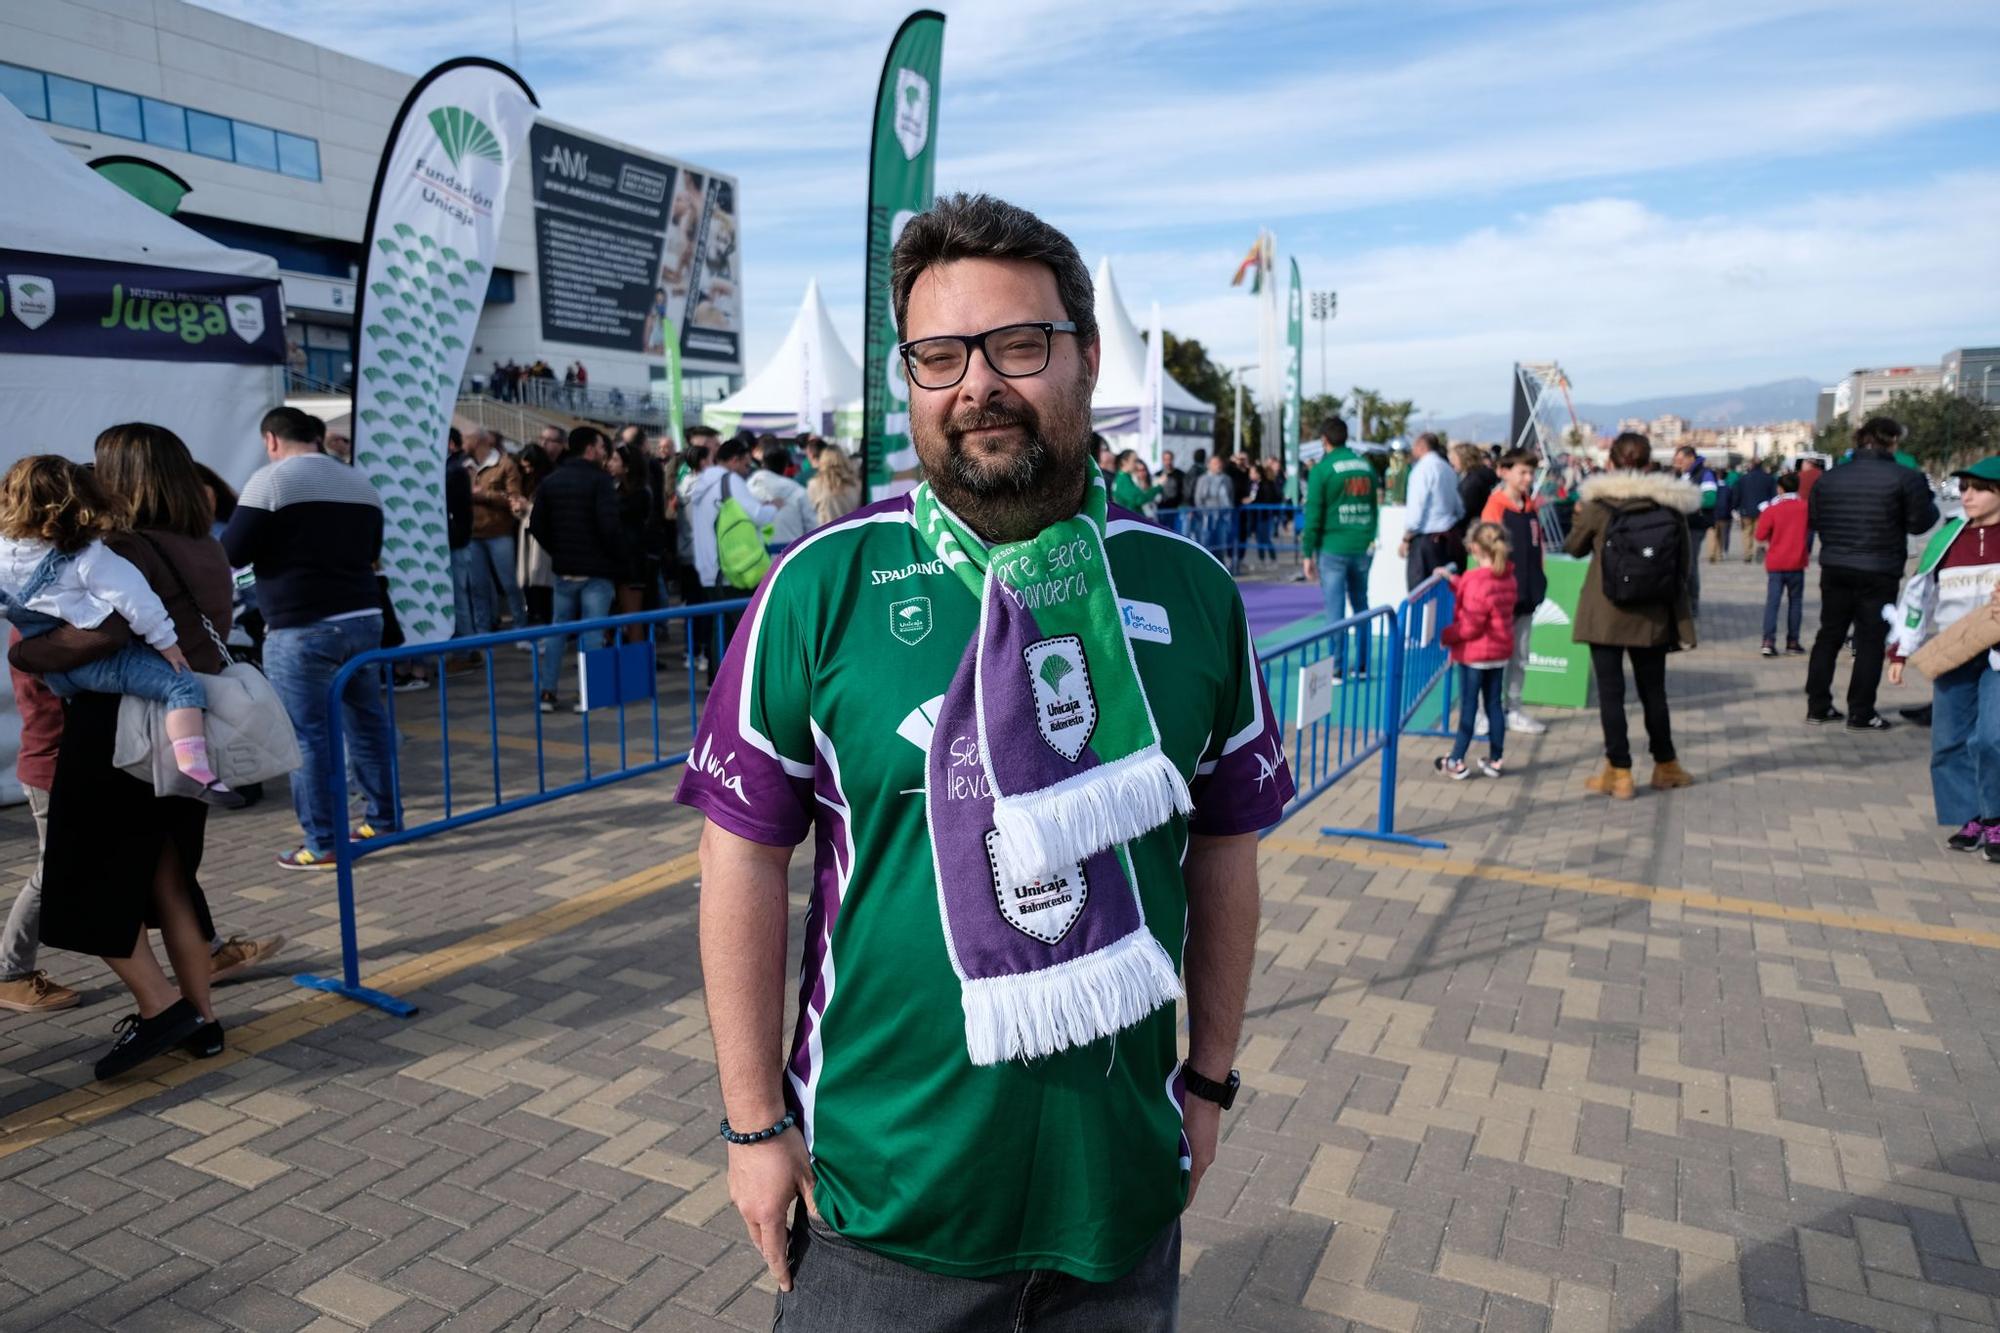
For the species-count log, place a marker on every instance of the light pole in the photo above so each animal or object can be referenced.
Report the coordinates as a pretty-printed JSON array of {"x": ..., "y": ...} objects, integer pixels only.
[
  {"x": 1986, "y": 385},
  {"x": 1323, "y": 306},
  {"x": 1236, "y": 418}
]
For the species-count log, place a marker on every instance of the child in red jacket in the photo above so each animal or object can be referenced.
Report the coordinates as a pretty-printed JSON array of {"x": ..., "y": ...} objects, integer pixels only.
[
  {"x": 1481, "y": 639},
  {"x": 1782, "y": 526}
]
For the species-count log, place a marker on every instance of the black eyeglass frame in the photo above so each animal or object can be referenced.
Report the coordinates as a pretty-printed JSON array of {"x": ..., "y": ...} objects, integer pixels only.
[{"x": 977, "y": 342}]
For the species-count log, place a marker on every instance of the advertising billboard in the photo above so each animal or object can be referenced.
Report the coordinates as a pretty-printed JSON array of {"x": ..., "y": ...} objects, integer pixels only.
[{"x": 628, "y": 245}]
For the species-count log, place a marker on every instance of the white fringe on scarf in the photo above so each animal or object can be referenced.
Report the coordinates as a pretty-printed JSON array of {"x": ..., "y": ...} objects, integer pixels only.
[
  {"x": 1038, "y": 1013},
  {"x": 1043, "y": 833}
]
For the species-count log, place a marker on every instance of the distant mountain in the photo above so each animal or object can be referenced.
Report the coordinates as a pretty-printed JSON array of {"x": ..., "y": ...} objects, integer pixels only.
[{"x": 1782, "y": 400}]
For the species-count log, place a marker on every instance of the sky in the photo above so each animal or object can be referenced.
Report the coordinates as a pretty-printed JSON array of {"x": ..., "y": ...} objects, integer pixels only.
[{"x": 1667, "y": 196}]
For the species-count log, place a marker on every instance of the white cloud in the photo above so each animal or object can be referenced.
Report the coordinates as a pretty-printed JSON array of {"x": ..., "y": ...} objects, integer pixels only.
[
  {"x": 1633, "y": 301},
  {"x": 1164, "y": 133}
]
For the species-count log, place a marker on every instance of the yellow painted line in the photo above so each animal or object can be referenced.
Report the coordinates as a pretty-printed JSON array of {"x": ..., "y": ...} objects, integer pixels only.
[
  {"x": 44, "y": 1120},
  {"x": 1613, "y": 888}
]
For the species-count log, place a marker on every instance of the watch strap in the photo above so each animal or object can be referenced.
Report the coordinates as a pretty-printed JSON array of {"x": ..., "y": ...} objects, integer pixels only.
[{"x": 1222, "y": 1094}]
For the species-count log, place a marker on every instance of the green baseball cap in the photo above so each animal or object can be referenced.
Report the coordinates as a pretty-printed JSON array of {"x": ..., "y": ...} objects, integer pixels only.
[{"x": 1986, "y": 469}]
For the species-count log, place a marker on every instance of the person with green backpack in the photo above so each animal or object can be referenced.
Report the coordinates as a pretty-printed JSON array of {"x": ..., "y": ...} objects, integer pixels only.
[{"x": 728, "y": 524}]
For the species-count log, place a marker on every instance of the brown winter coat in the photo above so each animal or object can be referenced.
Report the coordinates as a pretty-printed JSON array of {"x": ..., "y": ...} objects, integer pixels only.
[
  {"x": 492, "y": 487},
  {"x": 1599, "y": 620}
]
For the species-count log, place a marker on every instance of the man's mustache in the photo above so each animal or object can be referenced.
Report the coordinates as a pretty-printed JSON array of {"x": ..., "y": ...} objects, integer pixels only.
[{"x": 991, "y": 418}]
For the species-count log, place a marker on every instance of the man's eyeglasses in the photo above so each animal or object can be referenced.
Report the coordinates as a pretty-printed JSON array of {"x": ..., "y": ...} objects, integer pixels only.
[{"x": 1014, "y": 351}]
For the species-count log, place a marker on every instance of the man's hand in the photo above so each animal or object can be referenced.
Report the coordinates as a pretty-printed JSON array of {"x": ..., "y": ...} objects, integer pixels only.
[
  {"x": 764, "y": 1180},
  {"x": 176, "y": 658},
  {"x": 1895, "y": 673},
  {"x": 1312, "y": 569},
  {"x": 1201, "y": 1121}
]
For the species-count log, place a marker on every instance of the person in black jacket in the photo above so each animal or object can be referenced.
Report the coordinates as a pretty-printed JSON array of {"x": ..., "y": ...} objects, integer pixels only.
[
  {"x": 1476, "y": 482},
  {"x": 1864, "y": 513},
  {"x": 1754, "y": 489},
  {"x": 642, "y": 525},
  {"x": 575, "y": 519},
  {"x": 458, "y": 533}
]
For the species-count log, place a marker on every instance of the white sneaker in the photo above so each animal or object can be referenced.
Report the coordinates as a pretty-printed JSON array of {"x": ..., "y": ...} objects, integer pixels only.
[{"x": 1527, "y": 726}]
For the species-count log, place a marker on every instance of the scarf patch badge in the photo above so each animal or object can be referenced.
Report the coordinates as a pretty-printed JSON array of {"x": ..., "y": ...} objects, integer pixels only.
[
  {"x": 1043, "y": 909},
  {"x": 1065, "y": 704}
]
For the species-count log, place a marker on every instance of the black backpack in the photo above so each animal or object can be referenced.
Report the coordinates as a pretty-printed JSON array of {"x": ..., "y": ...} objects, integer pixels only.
[{"x": 1642, "y": 556}]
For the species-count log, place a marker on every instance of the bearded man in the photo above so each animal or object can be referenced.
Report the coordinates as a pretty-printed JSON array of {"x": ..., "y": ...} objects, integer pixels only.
[{"x": 1027, "y": 733}]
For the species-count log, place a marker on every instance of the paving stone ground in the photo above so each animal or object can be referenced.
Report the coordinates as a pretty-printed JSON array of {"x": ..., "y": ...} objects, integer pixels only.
[{"x": 1711, "y": 1059}]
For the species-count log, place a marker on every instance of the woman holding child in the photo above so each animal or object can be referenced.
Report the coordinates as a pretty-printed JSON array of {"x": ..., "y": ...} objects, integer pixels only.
[{"x": 101, "y": 893}]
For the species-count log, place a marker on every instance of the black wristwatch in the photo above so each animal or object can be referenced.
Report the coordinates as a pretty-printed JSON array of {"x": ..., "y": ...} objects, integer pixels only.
[{"x": 1223, "y": 1094}]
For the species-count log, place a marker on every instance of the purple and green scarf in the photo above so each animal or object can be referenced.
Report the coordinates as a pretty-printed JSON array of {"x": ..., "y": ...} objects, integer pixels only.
[{"x": 1044, "y": 763}]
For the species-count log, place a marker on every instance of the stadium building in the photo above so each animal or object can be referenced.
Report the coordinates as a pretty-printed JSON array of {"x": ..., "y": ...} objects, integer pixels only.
[{"x": 279, "y": 141}]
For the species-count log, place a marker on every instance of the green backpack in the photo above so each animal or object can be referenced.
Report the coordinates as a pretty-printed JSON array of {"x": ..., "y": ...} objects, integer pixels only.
[{"x": 739, "y": 546}]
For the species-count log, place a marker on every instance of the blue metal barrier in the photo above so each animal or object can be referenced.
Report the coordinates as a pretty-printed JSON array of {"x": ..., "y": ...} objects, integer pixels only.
[
  {"x": 635, "y": 758},
  {"x": 1388, "y": 660},
  {"x": 1417, "y": 664},
  {"x": 1234, "y": 533},
  {"x": 1348, "y": 725}
]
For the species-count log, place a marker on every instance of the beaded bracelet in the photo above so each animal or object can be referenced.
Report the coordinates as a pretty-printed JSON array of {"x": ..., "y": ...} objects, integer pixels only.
[{"x": 762, "y": 1134}]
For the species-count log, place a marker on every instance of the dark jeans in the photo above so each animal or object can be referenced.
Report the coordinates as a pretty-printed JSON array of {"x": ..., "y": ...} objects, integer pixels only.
[
  {"x": 1649, "y": 675},
  {"x": 1777, "y": 583},
  {"x": 841, "y": 1287},
  {"x": 1479, "y": 686},
  {"x": 1849, "y": 598},
  {"x": 1429, "y": 552}
]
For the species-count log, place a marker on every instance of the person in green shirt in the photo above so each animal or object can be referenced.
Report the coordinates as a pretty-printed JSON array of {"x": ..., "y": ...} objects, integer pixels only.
[
  {"x": 1128, "y": 490},
  {"x": 1343, "y": 499},
  {"x": 894, "y": 1169}
]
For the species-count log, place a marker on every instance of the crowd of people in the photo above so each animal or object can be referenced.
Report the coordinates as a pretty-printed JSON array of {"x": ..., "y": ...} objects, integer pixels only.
[
  {"x": 130, "y": 575},
  {"x": 1233, "y": 504}
]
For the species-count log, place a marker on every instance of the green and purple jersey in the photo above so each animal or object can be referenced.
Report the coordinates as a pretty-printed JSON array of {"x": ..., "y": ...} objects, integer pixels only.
[{"x": 821, "y": 722}]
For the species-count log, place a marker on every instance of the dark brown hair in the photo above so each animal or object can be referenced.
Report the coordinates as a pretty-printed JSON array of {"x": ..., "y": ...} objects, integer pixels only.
[
  {"x": 978, "y": 226},
  {"x": 149, "y": 470},
  {"x": 1631, "y": 451},
  {"x": 45, "y": 497}
]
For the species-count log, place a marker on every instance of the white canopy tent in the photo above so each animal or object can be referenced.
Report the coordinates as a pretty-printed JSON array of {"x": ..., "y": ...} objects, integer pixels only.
[
  {"x": 56, "y": 208},
  {"x": 811, "y": 362},
  {"x": 1116, "y": 405}
]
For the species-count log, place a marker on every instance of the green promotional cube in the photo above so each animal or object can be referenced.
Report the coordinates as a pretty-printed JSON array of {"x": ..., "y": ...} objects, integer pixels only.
[{"x": 1558, "y": 666}]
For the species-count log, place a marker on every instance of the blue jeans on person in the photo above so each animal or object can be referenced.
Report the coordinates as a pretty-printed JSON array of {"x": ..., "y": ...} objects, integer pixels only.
[
  {"x": 1477, "y": 687},
  {"x": 1344, "y": 579},
  {"x": 1965, "y": 743},
  {"x": 301, "y": 662},
  {"x": 1777, "y": 583},
  {"x": 136, "y": 670},
  {"x": 462, "y": 616},
  {"x": 575, "y": 599},
  {"x": 493, "y": 567}
]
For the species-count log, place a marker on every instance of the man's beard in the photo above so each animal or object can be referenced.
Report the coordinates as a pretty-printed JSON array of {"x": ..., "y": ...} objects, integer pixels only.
[{"x": 1012, "y": 497}]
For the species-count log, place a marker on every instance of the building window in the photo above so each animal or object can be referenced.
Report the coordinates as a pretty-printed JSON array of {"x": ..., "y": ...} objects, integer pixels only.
[
  {"x": 298, "y": 157},
  {"x": 85, "y": 106},
  {"x": 72, "y": 103},
  {"x": 210, "y": 136},
  {"x": 118, "y": 113},
  {"x": 166, "y": 124},
  {"x": 256, "y": 147},
  {"x": 23, "y": 87}
]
